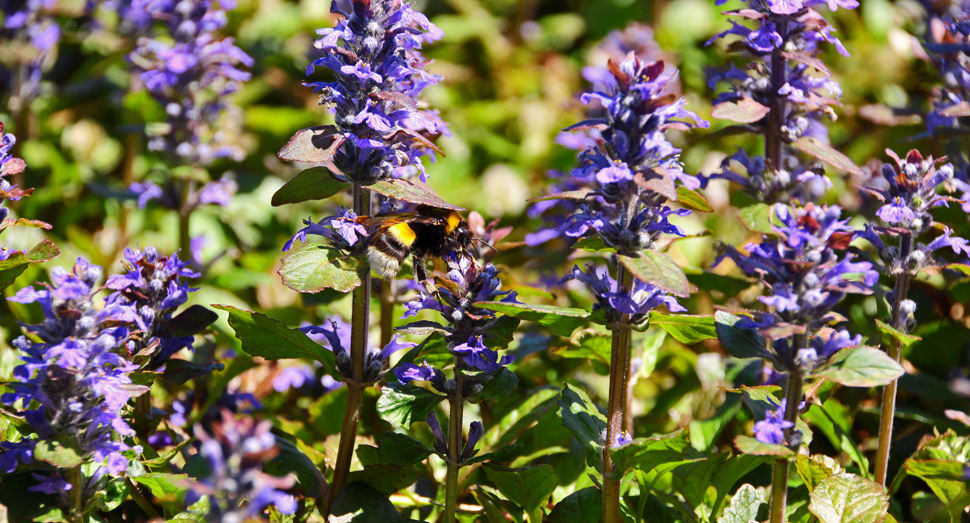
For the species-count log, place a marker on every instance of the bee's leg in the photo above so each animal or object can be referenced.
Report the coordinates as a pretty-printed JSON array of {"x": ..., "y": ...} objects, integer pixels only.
[{"x": 421, "y": 274}]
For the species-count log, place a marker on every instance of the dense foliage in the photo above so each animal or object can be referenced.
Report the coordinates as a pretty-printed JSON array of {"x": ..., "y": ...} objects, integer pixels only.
[{"x": 485, "y": 260}]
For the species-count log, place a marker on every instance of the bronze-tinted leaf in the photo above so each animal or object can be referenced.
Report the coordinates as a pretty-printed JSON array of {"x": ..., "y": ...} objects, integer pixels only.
[
  {"x": 593, "y": 123},
  {"x": 396, "y": 97},
  {"x": 745, "y": 110},
  {"x": 657, "y": 269},
  {"x": 827, "y": 154},
  {"x": 312, "y": 145},
  {"x": 412, "y": 192},
  {"x": 577, "y": 196},
  {"x": 960, "y": 109},
  {"x": 890, "y": 116},
  {"x": 808, "y": 60},
  {"x": 659, "y": 182}
]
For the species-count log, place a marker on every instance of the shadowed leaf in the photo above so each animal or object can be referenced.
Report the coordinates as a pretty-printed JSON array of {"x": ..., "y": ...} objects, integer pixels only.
[
  {"x": 408, "y": 191},
  {"x": 312, "y": 184}
]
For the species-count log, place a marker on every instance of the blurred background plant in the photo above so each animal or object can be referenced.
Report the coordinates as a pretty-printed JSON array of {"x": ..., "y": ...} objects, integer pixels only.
[{"x": 513, "y": 70}]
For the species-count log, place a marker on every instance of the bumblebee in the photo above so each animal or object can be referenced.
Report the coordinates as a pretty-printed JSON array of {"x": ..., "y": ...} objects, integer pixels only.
[{"x": 428, "y": 232}]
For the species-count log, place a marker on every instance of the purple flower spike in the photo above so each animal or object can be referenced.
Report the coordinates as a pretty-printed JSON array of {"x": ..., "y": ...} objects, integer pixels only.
[{"x": 374, "y": 53}]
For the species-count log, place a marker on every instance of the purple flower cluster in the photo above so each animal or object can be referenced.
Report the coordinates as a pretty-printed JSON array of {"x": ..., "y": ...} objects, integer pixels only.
[
  {"x": 147, "y": 296},
  {"x": 32, "y": 34},
  {"x": 808, "y": 274},
  {"x": 338, "y": 341},
  {"x": 949, "y": 47},
  {"x": 74, "y": 382},
  {"x": 636, "y": 170},
  {"x": 343, "y": 231},
  {"x": 190, "y": 72},
  {"x": 908, "y": 191},
  {"x": 778, "y": 94},
  {"x": 219, "y": 192},
  {"x": 638, "y": 302},
  {"x": 382, "y": 127},
  {"x": 235, "y": 449},
  {"x": 771, "y": 429}
]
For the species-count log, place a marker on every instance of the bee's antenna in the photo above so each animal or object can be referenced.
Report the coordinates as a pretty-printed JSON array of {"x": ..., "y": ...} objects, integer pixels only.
[{"x": 490, "y": 246}]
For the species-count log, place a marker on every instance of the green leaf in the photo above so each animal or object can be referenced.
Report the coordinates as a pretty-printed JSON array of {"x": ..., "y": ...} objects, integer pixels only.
[
  {"x": 17, "y": 262},
  {"x": 749, "y": 445},
  {"x": 361, "y": 503},
  {"x": 739, "y": 342},
  {"x": 814, "y": 469},
  {"x": 862, "y": 367},
  {"x": 503, "y": 455},
  {"x": 314, "y": 267},
  {"x": 191, "y": 321},
  {"x": 196, "y": 513},
  {"x": 162, "y": 485},
  {"x": 316, "y": 183},
  {"x": 945, "y": 479},
  {"x": 733, "y": 469},
  {"x": 403, "y": 450},
  {"x": 528, "y": 488},
  {"x": 168, "y": 455},
  {"x": 685, "y": 328},
  {"x": 53, "y": 452},
  {"x": 265, "y": 337},
  {"x": 585, "y": 422},
  {"x": 560, "y": 320},
  {"x": 744, "y": 505},
  {"x": 518, "y": 420},
  {"x": 847, "y": 498},
  {"x": 704, "y": 432},
  {"x": 499, "y": 386},
  {"x": 292, "y": 459},
  {"x": 386, "y": 479},
  {"x": 711, "y": 281},
  {"x": 648, "y": 454},
  {"x": 892, "y": 334},
  {"x": 582, "y": 506},
  {"x": 757, "y": 218},
  {"x": 657, "y": 269},
  {"x": 401, "y": 405},
  {"x": 178, "y": 371},
  {"x": 592, "y": 345},
  {"x": 593, "y": 244},
  {"x": 114, "y": 493},
  {"x": 408, "y": 191},
  {"x": 693, "y": 200},
  {"x": 834, "y": 420}
]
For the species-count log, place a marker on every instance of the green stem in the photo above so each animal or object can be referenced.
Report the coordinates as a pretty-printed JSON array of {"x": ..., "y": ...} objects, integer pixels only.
[
  {"x": 387, "y": 311},
  {"x": 348, "y": 437},
  {"x": 618, "y": 401},
  {"x": 536, "y": 515},
  {"x": 359, "y": 327},
  {"x": 779, "y": 483},
  {"x": 76, "y": 495},
  {"x": 889, "y": 392},
  {"x": 456, "y": 403}
]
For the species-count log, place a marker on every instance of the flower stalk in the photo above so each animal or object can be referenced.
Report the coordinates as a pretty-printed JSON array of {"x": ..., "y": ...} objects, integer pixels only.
[
  {"x": 793, "y": 399},
  {"x": 456, "y": 402},
  {"x": 888, "y": 412},
  {"x": 618, "y": 406}
]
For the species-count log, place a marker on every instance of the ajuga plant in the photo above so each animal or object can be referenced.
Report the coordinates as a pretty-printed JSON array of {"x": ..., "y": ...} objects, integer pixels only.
[
  {"x": 13, "y": 263},
  {"x": 478, "y": 373},
  {"x": 778, "y": 96},
  {"x": 72, "y": 388},
  {"x": 636, "y": 172},
  {"x": 908, "y": 241},
  {"x": 379, "y": 134},
  {"x": 805, "y": 266},
  {"x": 191, "y": 72}
]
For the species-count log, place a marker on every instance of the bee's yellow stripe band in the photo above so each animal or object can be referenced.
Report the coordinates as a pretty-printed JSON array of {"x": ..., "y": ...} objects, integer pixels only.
[{"x": 403, "y": 233}]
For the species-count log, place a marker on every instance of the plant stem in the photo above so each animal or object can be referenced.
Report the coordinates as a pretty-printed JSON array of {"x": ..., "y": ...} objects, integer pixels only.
[
  {"x": 618, "y": 402},
  {"x": 456, "y": 403},
  {"x": 776, "y": 118},
  {"x": 889, "y": 392},
  {"x": 348, "y": 437},
  {"x": 360, "y": 327},
  {"x": 779, "y": 483},
  {"x": 76, "y": 495},
  {"x": 387, "y": 311},
  {"x": 141, "y": 500},
  {"x": 185, "y": 215}
]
